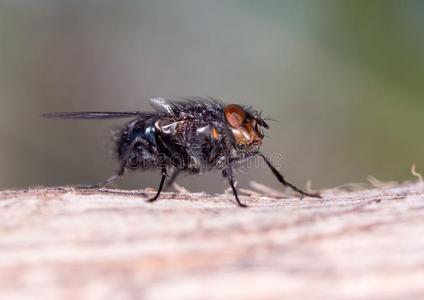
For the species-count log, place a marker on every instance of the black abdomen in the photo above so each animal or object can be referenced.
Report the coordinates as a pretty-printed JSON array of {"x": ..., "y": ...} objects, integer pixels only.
[{"x": 137, "y": 143}]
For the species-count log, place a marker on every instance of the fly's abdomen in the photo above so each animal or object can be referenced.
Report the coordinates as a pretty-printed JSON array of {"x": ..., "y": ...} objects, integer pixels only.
[{"x": 137, "y": 144}]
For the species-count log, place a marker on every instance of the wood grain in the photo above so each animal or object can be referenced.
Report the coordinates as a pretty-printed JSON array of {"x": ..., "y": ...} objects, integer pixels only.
[{"x": 66, "y": 243}]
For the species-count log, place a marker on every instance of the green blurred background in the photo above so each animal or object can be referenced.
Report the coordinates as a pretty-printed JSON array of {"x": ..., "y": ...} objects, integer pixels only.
[{"x": 344, "y": 79}]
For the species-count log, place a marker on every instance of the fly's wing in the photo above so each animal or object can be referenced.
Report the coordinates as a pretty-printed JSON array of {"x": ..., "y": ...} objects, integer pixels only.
[
  {"x": 98, "y": 115},
  {"x": 175, "y": 106},
  {"x": 161, "y": 105}
]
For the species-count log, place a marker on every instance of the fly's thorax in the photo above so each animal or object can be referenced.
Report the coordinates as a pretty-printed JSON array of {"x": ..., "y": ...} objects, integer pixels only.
[{"x": 176, "y": 127}]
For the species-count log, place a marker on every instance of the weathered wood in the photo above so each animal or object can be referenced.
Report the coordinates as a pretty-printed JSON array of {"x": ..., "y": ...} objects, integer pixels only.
[{"x": 65, "y": 243}]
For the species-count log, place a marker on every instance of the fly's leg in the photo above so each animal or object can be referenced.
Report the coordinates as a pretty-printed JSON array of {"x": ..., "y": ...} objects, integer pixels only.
[
  {"x": 285, "y": 182},
  {"x": 124, "y": 163},
  {"x": 162, "y": 181},
  {"x": 228, "y": 172},
  {"x": 112, "y": 179}
]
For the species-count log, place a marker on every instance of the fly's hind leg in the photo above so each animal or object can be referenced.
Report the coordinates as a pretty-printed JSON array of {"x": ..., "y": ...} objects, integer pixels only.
[
  {"x": 111, "y": 179},
  {"x": 124, "y": 164}
]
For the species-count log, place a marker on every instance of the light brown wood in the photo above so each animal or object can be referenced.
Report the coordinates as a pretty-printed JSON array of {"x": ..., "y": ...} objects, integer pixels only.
[{"x": 65, "y": 243}]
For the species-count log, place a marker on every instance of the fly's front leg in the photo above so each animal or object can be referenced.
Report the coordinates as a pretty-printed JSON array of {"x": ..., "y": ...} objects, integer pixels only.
[{"x": 284, "y": 181}]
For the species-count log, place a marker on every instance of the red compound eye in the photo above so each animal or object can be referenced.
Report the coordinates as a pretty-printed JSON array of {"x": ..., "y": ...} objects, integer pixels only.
[{"x": 235, "y": 115}]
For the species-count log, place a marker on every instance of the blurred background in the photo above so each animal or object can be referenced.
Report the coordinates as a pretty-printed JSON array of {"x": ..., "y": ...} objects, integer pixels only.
[{"x": 344, "y": 79}]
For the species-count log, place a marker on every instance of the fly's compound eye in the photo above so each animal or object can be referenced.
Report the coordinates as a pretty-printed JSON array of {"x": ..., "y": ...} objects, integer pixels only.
[{"x": 234, "y": 115}]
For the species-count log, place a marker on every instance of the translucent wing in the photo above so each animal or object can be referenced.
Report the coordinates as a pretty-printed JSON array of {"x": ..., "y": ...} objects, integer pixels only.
[
  {"x": 161, "y": 105},
  {"x": 187, "y": 104},
  {"x": 97, "y": 115}
]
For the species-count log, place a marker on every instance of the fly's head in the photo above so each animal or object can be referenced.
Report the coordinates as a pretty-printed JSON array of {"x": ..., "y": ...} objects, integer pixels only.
[{"x": 246, "y": 127}]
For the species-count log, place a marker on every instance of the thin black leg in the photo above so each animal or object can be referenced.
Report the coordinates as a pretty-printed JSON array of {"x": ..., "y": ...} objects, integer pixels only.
[
  {"x": 162, "y": 181},
  {"x": 124, "y": 163},
  {"x": 285, "y": 182},
  {"x": 110, "y": 179},
  {"x": 229, "y": 174},
  {"x": 116, "y": 176}
]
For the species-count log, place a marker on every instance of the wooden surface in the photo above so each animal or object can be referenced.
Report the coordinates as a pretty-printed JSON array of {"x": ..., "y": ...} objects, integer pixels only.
[{"x": 65, "y": 243}]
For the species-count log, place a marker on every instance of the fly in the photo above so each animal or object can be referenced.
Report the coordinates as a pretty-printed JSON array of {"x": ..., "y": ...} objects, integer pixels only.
[{"x": 193, "y": 135}]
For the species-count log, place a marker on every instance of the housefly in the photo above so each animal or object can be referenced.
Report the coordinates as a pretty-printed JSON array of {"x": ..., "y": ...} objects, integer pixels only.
[{"x": 193, "y": 135}]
